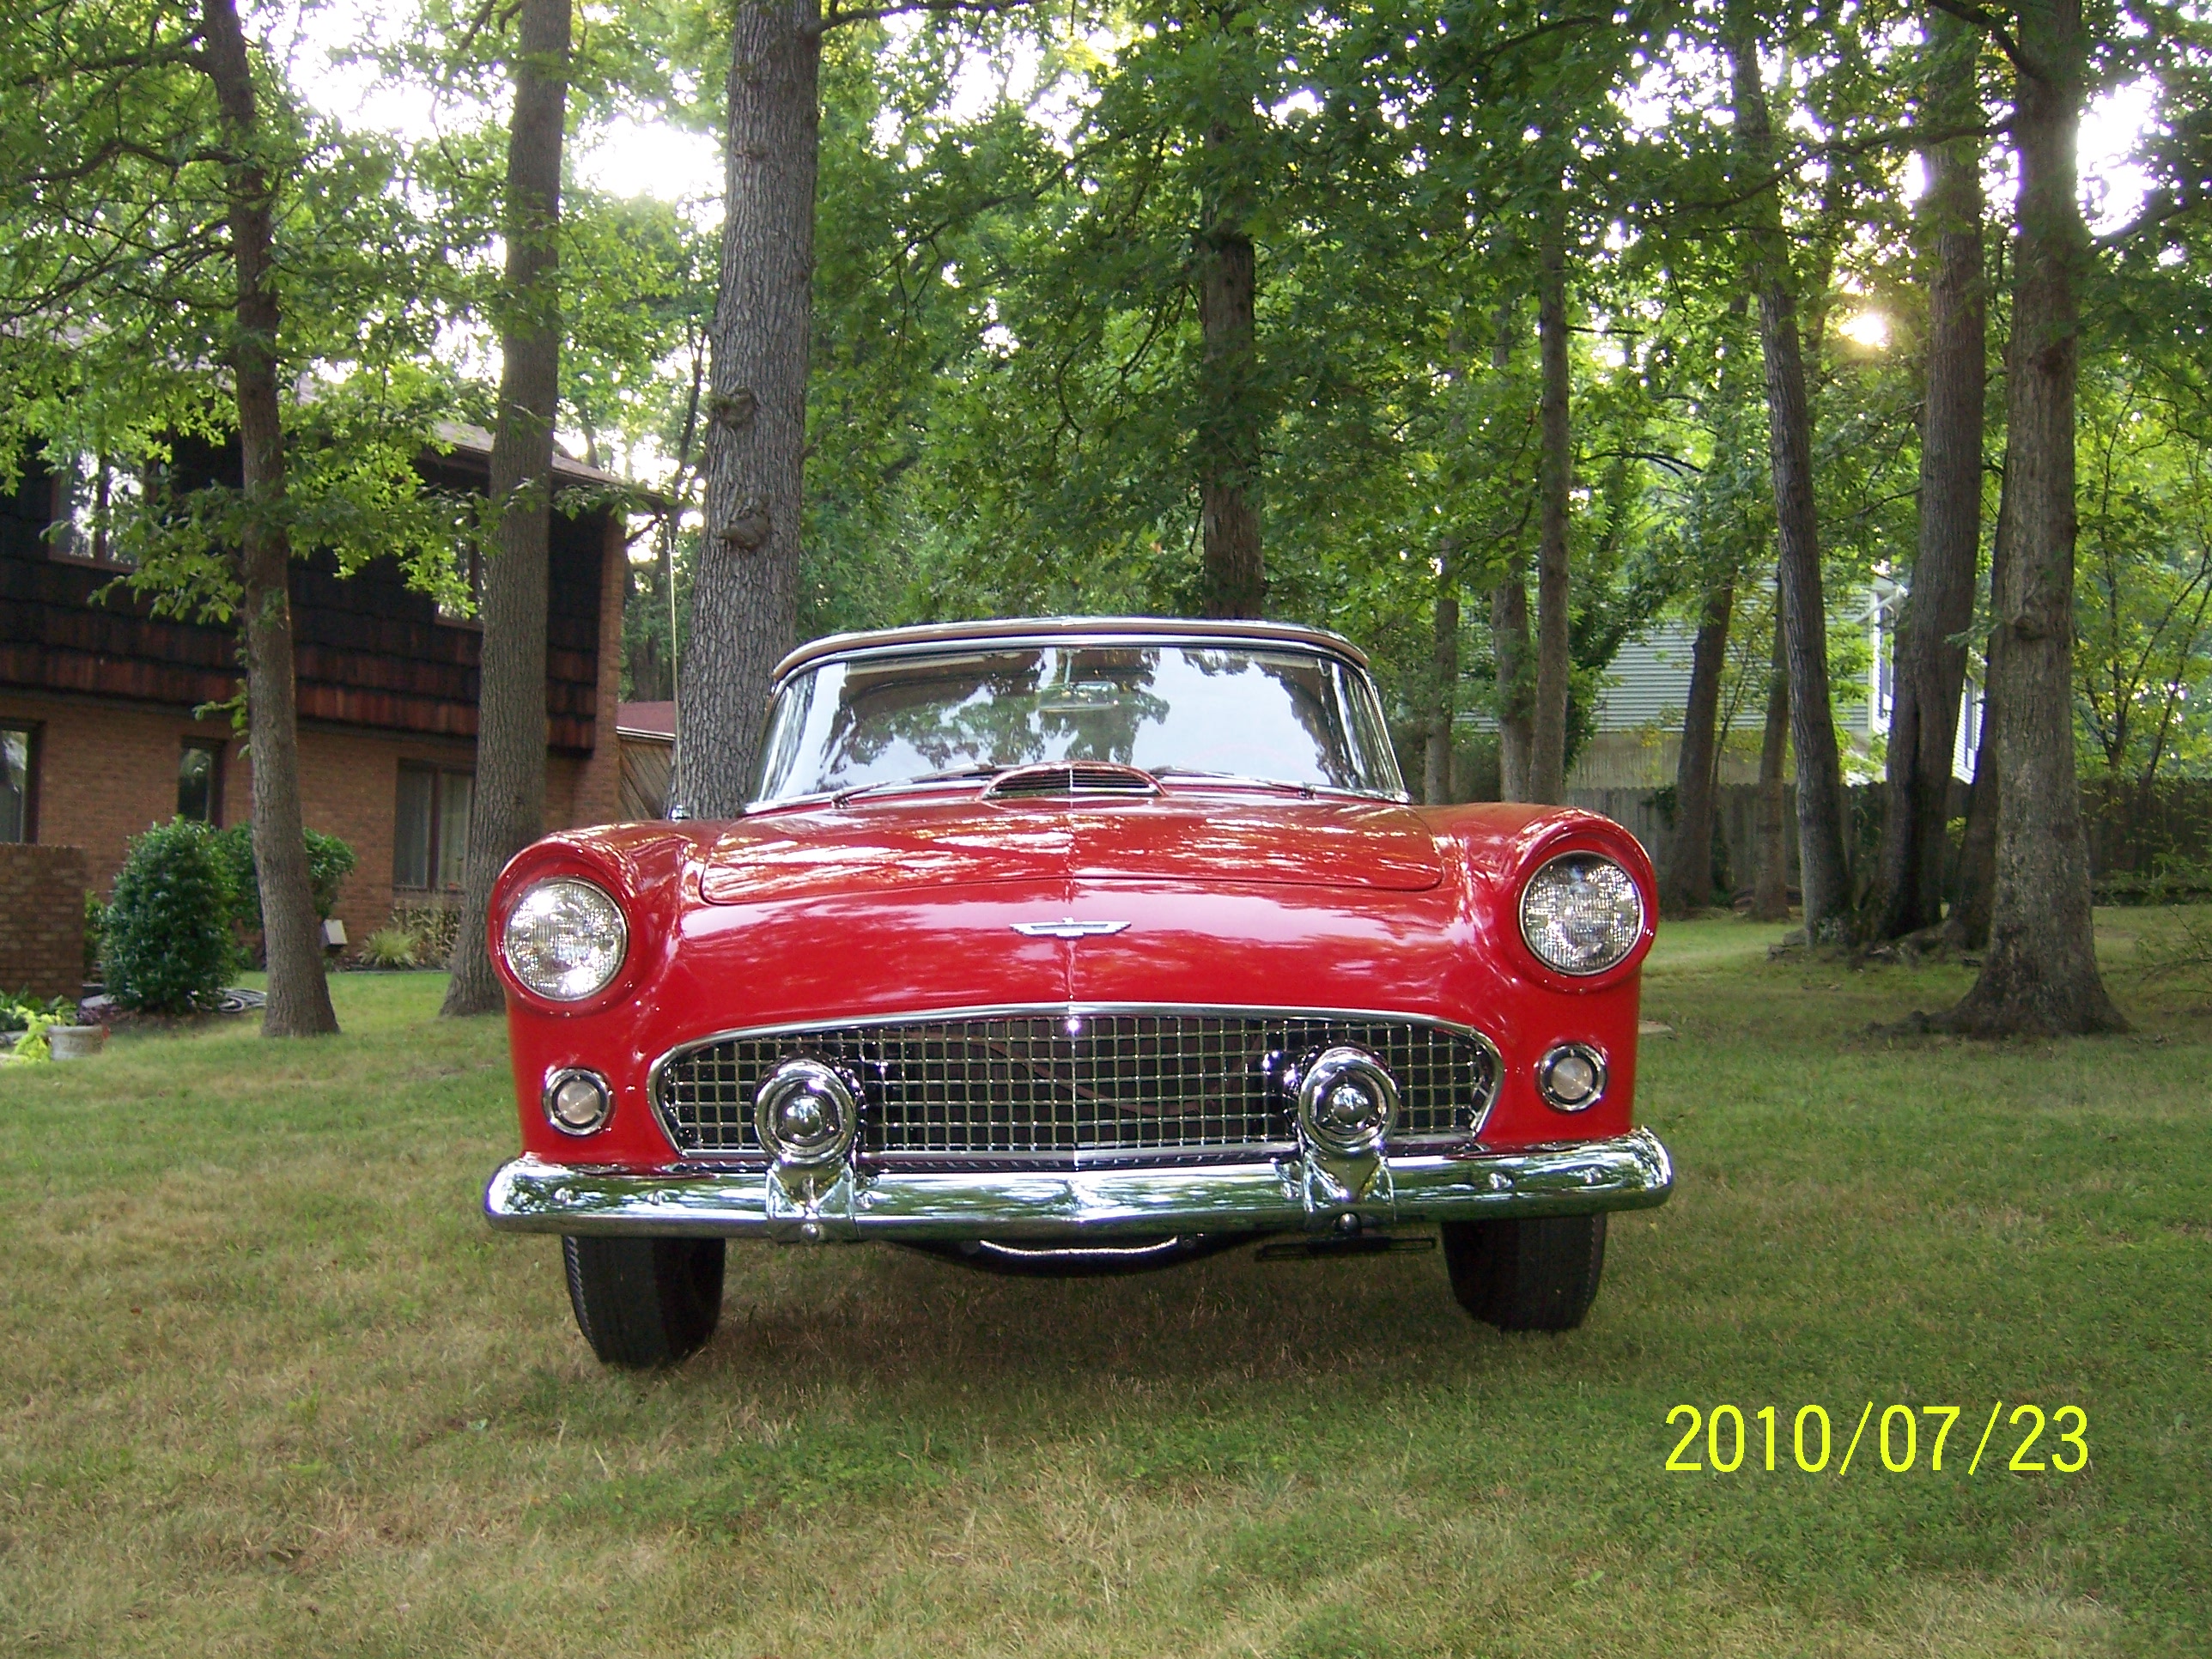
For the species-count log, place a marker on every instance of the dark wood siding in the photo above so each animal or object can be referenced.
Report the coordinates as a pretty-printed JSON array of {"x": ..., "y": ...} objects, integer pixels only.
[{"x": 371, "y": 652}]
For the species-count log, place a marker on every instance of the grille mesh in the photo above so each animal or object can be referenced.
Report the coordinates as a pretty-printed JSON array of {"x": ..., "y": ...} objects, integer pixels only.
[{"x": 1022, "y": 1086}]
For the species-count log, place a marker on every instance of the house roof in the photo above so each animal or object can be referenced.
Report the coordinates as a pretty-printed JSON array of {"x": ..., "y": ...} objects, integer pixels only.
[
  {"x": 475, "y": 442},
  {"x": 646, "y": 719}
]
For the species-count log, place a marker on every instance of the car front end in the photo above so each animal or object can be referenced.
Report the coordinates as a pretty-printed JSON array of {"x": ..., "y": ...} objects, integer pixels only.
[{"x": 1080, "y": 1012}]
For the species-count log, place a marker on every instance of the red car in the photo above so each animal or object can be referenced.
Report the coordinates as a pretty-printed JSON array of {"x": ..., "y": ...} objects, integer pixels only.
[{"x": 1068, "y": 946}]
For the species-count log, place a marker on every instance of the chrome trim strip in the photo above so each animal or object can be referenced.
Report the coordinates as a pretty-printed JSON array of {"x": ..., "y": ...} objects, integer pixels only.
[
  {"x": 1132, "y": 1157},
  {"x": 1064, "y": 1010},
  {"x": 1628, "y": 1172},
  {"x": 1016, "y": 632},
  {"x": 1186, "y": 783}
]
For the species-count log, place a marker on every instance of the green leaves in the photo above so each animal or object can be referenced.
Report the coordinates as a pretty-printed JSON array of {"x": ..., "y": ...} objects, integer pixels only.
[{"x": 168, "y": 947}]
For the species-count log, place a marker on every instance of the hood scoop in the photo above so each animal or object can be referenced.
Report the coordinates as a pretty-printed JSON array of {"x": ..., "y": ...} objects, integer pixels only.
[{"x": 1073, "y": 780}]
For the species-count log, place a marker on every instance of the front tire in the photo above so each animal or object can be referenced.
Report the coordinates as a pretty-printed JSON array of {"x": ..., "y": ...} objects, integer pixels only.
[
  {"x": 644, "y": 1302},
  {"x": 1537, "y": 1274}
]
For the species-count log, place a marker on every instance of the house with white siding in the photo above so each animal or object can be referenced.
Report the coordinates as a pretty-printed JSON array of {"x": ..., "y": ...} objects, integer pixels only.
[{"x": 1639, "y": 730}]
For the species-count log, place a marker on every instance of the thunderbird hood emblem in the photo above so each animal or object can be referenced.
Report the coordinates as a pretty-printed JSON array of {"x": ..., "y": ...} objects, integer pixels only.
[{"x": 1067, "y": 927}]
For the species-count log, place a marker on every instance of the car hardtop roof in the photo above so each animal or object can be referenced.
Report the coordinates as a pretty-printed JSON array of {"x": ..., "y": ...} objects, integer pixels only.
[{"x": 1026, "y": 630}]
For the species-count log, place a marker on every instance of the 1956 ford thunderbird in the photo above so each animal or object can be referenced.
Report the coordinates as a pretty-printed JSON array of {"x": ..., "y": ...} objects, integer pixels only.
[{"x": 1076, "y": 945}]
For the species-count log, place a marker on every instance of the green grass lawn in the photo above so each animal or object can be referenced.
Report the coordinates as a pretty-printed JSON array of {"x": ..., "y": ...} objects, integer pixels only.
[{"x": 272, "y": 1388}]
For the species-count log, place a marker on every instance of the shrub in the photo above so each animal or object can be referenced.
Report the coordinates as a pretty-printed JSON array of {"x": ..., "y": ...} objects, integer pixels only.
[
  {"x": 95, "y": 924},
  {"x": 169, "y": 945},
  {"x": 432, "y": 927},
  {"x": 32, "y": 1045},
  {"x": 17, "y": 1012},
  {"x": 330, "y": 861},
  {"x": 390, "y": 947}
]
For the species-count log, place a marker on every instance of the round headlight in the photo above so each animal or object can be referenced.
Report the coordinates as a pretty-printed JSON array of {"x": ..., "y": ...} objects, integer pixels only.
[
  {"x": 1581, "y": 913},
  {"x": 565, "y": 938}
]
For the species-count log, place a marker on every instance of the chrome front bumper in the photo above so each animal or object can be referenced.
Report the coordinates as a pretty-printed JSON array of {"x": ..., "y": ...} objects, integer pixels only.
[{"x": 1630, "y": 1172}]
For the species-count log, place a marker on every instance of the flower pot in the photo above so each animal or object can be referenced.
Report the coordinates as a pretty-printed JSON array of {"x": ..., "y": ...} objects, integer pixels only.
[{"x": 76, "y": 1041}]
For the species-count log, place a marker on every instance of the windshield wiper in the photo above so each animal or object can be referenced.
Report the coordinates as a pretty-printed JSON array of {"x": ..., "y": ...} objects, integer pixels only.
[
  {"x": 951, "y": 775},
  {"x": 1231, "y": 777}
]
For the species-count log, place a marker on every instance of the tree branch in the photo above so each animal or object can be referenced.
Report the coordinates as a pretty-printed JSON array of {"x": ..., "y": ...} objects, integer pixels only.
[
  {"x": 837, "y": 15},
  {"x": 1991, "y": 25},
  {"x": 2161, "y": 207}
]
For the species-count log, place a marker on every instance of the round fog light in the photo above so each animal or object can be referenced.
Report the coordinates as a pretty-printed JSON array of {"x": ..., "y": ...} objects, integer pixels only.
[
  {"x": 807, "y": 1113},
  {"x": 1572, "y": 1077},
  {"x": 1346, "y": 1101},
  {"x": 578, "y": 1101}
]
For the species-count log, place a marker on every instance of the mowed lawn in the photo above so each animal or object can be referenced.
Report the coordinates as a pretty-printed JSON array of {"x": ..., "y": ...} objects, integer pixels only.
[{"x": 270, "y": 1386}]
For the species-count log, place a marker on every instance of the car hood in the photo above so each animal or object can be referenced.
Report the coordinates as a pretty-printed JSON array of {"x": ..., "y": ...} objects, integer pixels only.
[{"x": 905, "y": 844}]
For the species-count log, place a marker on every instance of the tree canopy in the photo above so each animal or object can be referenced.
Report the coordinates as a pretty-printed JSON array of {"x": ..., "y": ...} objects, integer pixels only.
[{"x": 1398, "y": 306}]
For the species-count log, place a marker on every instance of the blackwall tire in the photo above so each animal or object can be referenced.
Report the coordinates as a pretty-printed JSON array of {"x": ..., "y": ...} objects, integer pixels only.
[
  {"x": 645, "y": 1302},
  {"x": 1538, "y": 1274}
]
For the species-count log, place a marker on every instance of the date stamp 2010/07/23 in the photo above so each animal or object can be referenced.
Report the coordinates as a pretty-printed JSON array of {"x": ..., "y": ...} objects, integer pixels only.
[{"x": 1723, "y": 1440}]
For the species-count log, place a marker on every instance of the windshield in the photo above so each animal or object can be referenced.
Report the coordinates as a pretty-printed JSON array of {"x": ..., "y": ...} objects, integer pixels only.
[{"x": 1275, "y": 714}]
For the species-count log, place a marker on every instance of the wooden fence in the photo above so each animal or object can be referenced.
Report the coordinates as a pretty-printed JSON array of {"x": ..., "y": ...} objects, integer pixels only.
[{"x": 2143, "y": 844}]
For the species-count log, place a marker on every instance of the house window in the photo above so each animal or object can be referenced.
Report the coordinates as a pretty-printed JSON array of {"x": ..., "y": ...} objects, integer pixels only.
[
  {"x": 430, "y": 836},
  {"x": 90, "y": 492},
  {"x": 471, "y": 561},
  {"x": 199, "y": 782},
  {"x": 17, "y": 754}
]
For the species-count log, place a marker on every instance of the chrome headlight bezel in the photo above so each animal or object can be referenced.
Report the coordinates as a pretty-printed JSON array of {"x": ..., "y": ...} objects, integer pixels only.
[
  {"x": 590, "y": 1087},
  {"x": 1626, "y": 926},
  {"x": 1548, "y": 1072},
  {"x": 534, "y": 907}
]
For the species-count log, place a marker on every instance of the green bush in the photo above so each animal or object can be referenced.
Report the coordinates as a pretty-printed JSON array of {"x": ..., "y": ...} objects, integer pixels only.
[
  {"x": 434, "y": 928},
  {"x": 330, "y": 861},
  {"x": 16, "y": 1012},
  {"x": 390, "y": 947},
  {"x": 95, "y": 924},
  {"x": 169, "y": 945}
]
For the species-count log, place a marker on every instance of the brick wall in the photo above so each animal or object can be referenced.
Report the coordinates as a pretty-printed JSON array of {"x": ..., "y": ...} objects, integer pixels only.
[
  {"x": 107, "y": 770},
  {"x": 41, "y": 919},
  {"x": 349, "y": 787}
]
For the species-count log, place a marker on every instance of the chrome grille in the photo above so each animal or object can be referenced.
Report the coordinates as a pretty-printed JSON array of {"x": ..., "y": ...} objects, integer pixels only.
[{"x": 1075, "y": 1086}]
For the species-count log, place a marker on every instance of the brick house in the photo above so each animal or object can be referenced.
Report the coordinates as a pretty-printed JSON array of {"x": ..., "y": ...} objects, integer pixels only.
[{"x": 98, "y": 738}]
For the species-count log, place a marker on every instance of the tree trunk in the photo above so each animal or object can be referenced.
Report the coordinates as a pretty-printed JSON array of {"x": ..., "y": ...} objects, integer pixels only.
[
  {"x": 299, "y": 992},
  {"x": 1235, "y": 579},
  {"x": 1509, "y": 649},
  {"x": 1931, "y": 661},
  {"x": 1770, "y": 895},
  {"x": 507, "y": 810},
  {"x": 1443, "y": 691},
  {"x": 1975, "y": 884},
  {"x": 1547, "y": 769},
  {"x": 2040, "y": 973},
  {"x": 1823, "y": 847},
  {"x": 1686, "y": 884},
  {"x": 745, "y": 595},
  {"x": 1968, "y": 924}
]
